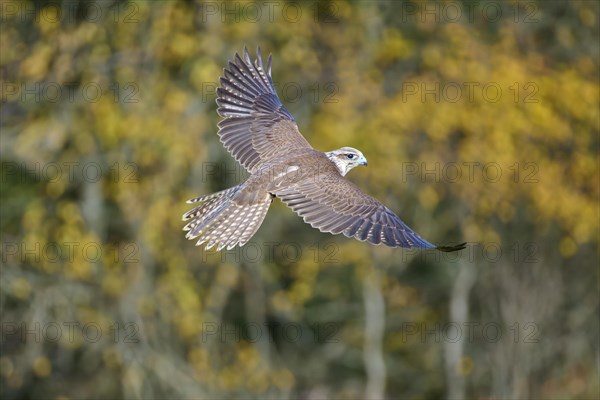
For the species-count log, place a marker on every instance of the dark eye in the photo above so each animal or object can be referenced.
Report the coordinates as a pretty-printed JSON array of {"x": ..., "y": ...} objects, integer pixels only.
[{"x": 350, "y": 156}]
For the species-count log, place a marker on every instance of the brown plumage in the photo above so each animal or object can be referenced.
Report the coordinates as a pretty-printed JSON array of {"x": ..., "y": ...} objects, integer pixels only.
[{"x": 262, "y": 136}]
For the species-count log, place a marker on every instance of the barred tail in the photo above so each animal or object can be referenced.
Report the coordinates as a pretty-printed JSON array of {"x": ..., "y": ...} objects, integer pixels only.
[{"x": 221, "y": 221}]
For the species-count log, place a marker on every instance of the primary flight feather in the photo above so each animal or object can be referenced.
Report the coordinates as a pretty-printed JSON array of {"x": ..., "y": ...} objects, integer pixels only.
[{"x": 262, "y": 135}]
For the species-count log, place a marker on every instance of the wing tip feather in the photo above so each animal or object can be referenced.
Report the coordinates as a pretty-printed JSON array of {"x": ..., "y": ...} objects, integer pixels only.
[{"x": 449, "y": 249}]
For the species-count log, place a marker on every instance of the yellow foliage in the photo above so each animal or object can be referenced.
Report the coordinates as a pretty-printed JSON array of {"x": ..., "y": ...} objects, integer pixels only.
[{"x": 42, "y": 367}]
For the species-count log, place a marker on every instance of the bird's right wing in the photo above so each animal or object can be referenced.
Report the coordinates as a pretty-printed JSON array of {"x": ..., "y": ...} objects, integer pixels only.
[
  {"x": 257, "y": 127},
  {"x": 329, "y": 202}
]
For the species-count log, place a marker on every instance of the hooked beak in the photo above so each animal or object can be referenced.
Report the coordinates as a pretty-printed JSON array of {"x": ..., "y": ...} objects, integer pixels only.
[{"x": 363, "y": 161}]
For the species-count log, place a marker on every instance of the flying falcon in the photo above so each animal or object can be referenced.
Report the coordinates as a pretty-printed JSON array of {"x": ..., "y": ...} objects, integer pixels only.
[{"x": 263, "y": 136}]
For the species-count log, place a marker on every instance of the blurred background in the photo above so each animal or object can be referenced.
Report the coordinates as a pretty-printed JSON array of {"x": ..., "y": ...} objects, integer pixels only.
[{"x": 480, "y": 121}]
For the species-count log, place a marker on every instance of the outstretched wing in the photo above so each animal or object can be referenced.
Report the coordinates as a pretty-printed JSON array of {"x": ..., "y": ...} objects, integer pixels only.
[
  {"x": 257, "y": 127},
  {"x": 333, "y": 204}
]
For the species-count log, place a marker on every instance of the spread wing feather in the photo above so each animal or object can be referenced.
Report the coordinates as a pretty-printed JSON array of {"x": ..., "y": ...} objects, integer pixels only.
[
  {"x": 257, "y": 127},
  {"x": 339, "y": 206}
]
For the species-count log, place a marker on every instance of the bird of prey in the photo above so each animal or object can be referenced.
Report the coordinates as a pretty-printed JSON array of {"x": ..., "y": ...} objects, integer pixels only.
[{"x": 261, "y": 134}]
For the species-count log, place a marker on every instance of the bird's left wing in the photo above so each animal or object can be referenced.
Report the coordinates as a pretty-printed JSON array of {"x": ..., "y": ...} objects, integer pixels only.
[
  {"x": 329, "y": 202},
  {"x": 257, "y": 127}
]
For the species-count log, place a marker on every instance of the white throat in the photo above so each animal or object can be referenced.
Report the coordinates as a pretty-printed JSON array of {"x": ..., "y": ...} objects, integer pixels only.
[{"x": 341, "y": 166}]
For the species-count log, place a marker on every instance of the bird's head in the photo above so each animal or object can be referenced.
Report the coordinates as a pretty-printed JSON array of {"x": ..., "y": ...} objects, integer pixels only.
[{"x": 346, "y": 158}]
